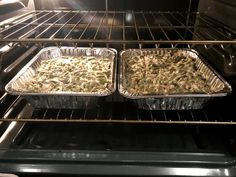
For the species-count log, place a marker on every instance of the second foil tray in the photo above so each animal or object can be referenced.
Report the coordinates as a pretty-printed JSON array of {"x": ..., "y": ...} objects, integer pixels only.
[{"x": 169, "y": 100}]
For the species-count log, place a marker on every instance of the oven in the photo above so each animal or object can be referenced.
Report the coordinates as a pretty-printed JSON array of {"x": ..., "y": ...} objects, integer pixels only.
[{"x": 116, "y": 138}]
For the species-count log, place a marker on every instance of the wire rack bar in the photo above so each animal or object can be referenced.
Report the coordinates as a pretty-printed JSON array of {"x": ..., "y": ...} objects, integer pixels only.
[
  {"x": 89, "y": 23},
  {"x": 111, "y": 26},
  {"x": 123, "y": 31},
  {"x": 74, "y": 26},
  {"x": 96, "y": 115},
  {"x": 181, "y": 37},
  {"x": 104, "y": 41},
  {"x": 34, "y": 29},
  {"x": 25, "y": 26},
  {"x": 185, "y": 19},
  {"x": 15, "y": 19},
  {"x": 21, "y": 21},
  {"x": 92, "y": 120},
  {"x": 136, "y": 28},
  {"x": 39, "y": 25},
  {"x": 58, "y": 25},
  {"x": 54, "y": 34},
  {"x": 149, "y": 29},
  {"x": 98, "y": 28},
  {"x": 163, "y": 31},
  {"x": 47, "y": 29},
  {"x": 208, "y": 23}
]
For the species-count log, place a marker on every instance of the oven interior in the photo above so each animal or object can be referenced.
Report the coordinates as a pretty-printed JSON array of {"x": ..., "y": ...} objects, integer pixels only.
[{"x": 116, "y": 138}]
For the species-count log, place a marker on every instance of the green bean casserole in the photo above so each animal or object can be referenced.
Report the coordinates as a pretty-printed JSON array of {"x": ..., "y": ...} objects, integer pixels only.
[
  {"x": 166, "y": 73},
  {"x": 72, "y": 74}
]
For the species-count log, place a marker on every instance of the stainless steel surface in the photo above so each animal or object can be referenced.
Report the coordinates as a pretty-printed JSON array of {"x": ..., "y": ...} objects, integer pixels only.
[
  {"x": 171, "y": 101},
  {"x": 125, "y": 170},
  {"x": 61, "y": 99}
]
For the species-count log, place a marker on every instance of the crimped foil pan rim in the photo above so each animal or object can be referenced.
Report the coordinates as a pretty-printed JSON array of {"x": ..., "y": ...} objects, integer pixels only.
[
  {"x": 99, "y": 94},
  {"x": 227, "y": 88}
]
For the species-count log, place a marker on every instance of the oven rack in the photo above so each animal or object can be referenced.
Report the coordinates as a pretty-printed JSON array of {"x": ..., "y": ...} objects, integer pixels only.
[
  {"x": 121, "y": 30},
  {"x": 14, "y": 108},
  {"x": 115, "y": 27}
]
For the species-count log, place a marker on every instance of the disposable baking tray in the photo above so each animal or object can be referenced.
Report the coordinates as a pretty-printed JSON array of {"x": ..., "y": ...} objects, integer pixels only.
[
  {"x": 172, "y": 101},
  {"x": 62, "y": 99}
]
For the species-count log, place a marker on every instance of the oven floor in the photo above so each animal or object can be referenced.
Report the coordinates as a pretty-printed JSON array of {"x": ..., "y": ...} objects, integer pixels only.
[
  {"x": 125, "y": 137},
  {"x": 69, "y": 148}
]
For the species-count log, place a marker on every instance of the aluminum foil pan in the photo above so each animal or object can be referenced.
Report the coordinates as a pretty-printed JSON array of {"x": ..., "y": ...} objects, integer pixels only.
[
  {"x": 172, "y": 101},
  {"x": 62, "y": 99}
]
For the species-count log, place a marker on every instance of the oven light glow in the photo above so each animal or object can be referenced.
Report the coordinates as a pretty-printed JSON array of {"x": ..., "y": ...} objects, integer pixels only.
[{"x": 128, "y": 17}]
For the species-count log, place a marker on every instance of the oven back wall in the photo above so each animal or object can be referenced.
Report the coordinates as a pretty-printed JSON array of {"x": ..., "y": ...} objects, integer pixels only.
[
  {"x": 220, "y": 13},
  {"x": 147, "y": 5}
]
